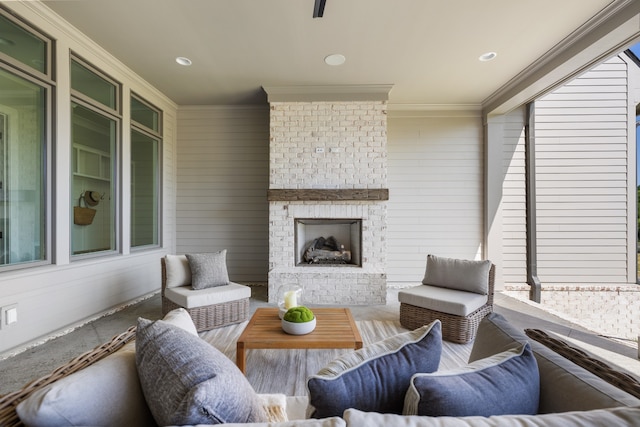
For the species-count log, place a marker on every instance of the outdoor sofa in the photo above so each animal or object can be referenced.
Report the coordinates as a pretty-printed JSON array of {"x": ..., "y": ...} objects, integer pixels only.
[{"x": 558, "y": 390}]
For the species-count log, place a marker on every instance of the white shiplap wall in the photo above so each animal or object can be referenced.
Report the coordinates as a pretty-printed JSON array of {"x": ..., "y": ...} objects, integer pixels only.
[
  {"x": 514, "y": 238},
  {"x": 582, "y": 173},
  {"x": 223, "y": 177},
  {"x": 435, "y": 190}
]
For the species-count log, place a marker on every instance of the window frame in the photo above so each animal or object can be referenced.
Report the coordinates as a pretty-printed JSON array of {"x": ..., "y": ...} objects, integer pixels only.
[
  {"x": 158, "y": 135},
  {"x": 97, "y": 107},
  {"x": 47, "y": 82}
]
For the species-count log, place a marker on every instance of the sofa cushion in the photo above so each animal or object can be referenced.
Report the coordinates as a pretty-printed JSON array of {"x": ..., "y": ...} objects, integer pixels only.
[
  {"x": 107, "y": 392},
  {"x": 445, "y": 300},
  {"x": 564, "y": 386},
  {"x": 376, "y": 377},
  {"x": 506, "y": 383},
  {"x": 629, "y": 417},
  {"x": 185, "y": 296},
  {"x": 185, "y": 380},
  {"x": 177, "y": 270},
  {"x": 461, "y": 274},
  {"x": 325, "y": 422},
  {"x": 208, "y": 270}
]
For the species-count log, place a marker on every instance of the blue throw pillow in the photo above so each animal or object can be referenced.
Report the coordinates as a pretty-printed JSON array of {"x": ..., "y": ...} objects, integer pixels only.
[
  {"x": 185, "y": 380},
  {"x": 506, "y": 383},
  {"x": 376, "y": 377}
]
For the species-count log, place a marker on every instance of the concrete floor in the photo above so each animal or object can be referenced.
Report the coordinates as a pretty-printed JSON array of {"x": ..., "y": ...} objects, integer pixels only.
[{"x": 35, "y": 362}]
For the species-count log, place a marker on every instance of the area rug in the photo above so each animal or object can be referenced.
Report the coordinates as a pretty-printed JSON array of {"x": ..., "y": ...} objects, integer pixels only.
[{"x": 286, "y": 371}]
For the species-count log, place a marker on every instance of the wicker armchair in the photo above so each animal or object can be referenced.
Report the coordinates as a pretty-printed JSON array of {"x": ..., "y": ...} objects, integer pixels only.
[
  {"x": 226, "y": 304},
  {"x": 455, "y": 328}
]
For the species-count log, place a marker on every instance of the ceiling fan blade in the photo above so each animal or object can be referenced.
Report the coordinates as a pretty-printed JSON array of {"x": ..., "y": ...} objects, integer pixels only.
[{"x": 318, "y": 8}]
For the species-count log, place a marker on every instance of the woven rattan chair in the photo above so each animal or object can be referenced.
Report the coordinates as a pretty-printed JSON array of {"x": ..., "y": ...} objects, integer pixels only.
[
  {"x": 231, "y": 304},
  {"x": 455, "y": 328}
]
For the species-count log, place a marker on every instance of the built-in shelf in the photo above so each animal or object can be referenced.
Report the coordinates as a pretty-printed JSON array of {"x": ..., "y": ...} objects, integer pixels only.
[{"x": 91, "y": 163}]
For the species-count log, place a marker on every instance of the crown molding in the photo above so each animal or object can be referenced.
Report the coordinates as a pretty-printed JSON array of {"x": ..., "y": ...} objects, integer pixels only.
[
  {"x": 607, "y": 33},
  {"x": 329, "y": 93},
  {"x": 434, "y": 110}
]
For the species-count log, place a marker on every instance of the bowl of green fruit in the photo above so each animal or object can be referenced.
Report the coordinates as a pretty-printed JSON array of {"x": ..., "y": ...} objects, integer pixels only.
[{"x": 298, "y": 321}]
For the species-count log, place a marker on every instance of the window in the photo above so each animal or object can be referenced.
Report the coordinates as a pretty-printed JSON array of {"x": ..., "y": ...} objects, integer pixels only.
[
  {"x": 95, "y": 122},
  {"x": 145, "y": 174},
  {"x": 24, "y": 45},
  {"x": 25, "y": 134}
]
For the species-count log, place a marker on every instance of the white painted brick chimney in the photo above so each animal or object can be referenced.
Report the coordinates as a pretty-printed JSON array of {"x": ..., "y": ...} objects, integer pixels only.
[{"x": 320, "y": 143}]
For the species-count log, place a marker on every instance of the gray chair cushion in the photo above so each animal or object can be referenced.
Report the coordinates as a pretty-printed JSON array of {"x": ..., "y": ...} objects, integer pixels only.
[
  {"x": 451, "y": 301},
  {"x": 464, "y": 275}
]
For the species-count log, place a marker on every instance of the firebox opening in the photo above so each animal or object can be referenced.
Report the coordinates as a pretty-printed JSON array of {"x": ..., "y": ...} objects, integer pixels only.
[{"x": 328, "y": 242}]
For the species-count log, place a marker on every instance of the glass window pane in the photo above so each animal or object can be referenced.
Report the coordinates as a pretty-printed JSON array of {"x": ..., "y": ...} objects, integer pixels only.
[
  {"x": 145, "y": 115},
  {"x": 144, "y": 189},
  {"x": 92, "y": 85},
  {"x": 93, "y": 189},
  {"x": 22, "y": 160},
  {"x": 22, "y": 46}
]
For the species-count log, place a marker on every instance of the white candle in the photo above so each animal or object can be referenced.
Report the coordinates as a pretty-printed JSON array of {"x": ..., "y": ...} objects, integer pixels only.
[{"x": 290, "y": 299}]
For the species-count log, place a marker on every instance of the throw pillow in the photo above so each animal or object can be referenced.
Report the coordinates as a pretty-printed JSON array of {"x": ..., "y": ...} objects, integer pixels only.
[
  {"x": 376, "y": 377},
  {"x": 181, "y": 318},
  {"x": 185, "y": 380},
  {"x": 460, "y": 274},
  {"x": 177, "y": 270},
  {"x": 208, "y": 270},
  {"x": 507, "y": 383}
]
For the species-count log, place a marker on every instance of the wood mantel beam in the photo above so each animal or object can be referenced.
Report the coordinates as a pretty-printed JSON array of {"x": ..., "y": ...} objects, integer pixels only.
[{"x": 326, "y": 195}]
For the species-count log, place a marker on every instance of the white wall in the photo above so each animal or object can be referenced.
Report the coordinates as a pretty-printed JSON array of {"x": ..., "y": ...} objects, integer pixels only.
[
  {"x": 585, "y": 160},
  {"x": 513, "y": 207},
  {"x": 435, "y": 163},
  {"x": 223, "y": 177},
  {"x": 67, "y": 292}
]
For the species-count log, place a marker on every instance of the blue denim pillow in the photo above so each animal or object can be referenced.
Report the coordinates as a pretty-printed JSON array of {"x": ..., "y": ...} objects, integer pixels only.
[
  {"x": 506, "y": 383},
  {"x": 376, "y": 377}
]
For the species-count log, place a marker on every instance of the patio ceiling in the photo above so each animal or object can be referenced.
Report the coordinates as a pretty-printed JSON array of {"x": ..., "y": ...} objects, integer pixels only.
[{"x": 427, "y": 49}]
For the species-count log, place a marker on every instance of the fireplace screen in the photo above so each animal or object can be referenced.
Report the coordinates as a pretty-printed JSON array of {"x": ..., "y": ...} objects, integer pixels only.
[{"x": 328, "y": 242}]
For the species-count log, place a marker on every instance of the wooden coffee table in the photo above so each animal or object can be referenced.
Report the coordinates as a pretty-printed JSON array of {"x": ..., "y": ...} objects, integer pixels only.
[{"x": 335, "y": 328}]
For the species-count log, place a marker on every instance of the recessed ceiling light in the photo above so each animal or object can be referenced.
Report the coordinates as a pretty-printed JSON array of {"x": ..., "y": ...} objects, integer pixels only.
[
  {"x": 335, "y": 59},
  {"x": 487, "y": 56},
  {"x": 183, "y": 61}
]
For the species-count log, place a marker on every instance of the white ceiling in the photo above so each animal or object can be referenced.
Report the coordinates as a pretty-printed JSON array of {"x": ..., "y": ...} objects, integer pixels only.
[{"x": 427, "y": 49}]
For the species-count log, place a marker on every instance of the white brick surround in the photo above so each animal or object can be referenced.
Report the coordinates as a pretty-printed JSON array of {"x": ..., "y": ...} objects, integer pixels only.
[
  {"x": 329, "y": 145},
  {"x": 353, "y": 136}
]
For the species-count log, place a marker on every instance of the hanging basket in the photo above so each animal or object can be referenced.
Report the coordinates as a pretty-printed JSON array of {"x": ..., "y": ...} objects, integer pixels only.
[{"x": 83, "y": 216}]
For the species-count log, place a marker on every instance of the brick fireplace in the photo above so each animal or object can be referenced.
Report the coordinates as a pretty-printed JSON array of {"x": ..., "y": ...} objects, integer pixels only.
[{"x": 328, "y": 161}]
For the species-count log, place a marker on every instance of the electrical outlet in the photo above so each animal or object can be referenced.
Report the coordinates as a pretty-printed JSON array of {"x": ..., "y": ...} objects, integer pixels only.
[
  {"x": 319, "y": 150},
  {"x": 9, "y": 315}
]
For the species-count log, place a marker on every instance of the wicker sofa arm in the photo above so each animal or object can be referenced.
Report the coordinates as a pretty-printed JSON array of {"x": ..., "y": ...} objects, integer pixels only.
[
  {"x": 619, "y": 379},
  {"x": 9, "y": 402}
]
